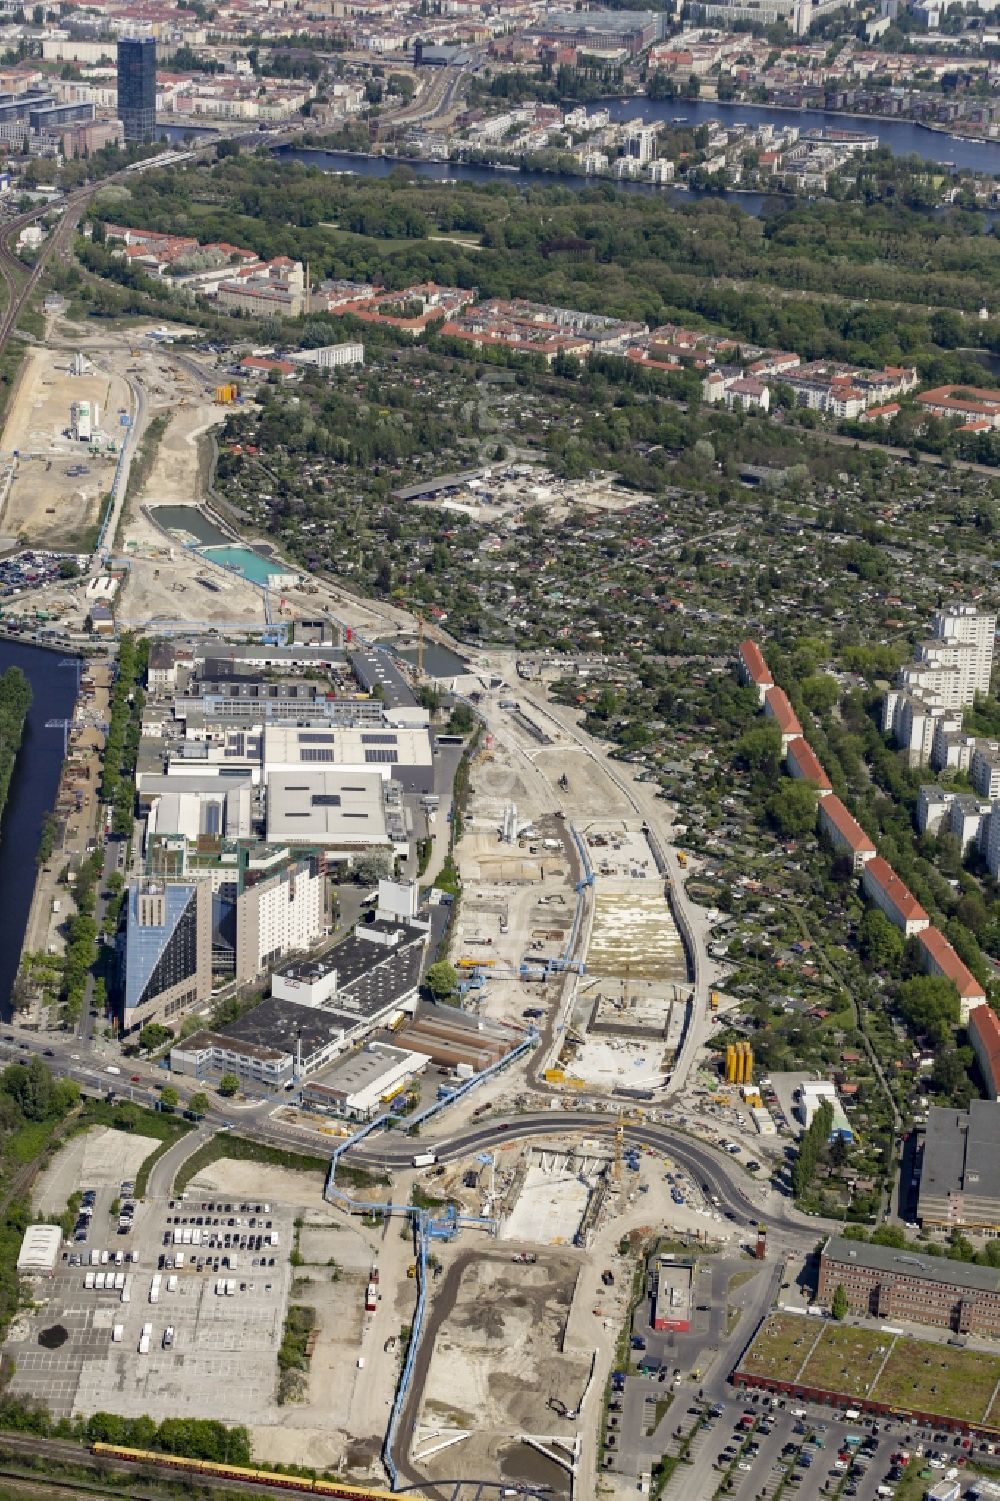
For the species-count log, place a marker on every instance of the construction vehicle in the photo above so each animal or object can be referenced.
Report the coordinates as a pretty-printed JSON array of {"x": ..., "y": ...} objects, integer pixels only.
[
  {"x": 682, "y": 859},
  {"x": 715, "y": 1000},
  {"x": 411, "y": 1270}
]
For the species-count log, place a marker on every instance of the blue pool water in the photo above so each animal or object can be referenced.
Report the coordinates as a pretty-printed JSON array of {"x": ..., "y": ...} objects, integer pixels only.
[{"x": 252, "y": 566}]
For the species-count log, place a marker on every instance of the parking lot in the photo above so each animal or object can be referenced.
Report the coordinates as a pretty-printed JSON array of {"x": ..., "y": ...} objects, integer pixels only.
[
  {"x": 757, "y": 1444},
  {"x": 178, "y": 1306}
]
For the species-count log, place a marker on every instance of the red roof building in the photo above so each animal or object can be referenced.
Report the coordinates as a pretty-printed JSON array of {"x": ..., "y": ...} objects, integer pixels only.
[
  {"x": 751, "y": 668},
  {"x": 802, "y": 761},
  {"x": 882, "y": 886},
  {"x": 939, "y": 958},
  {"x": 777, "y": 707},
  {"x": 984, "y": 1035},
  {"x": 844, "y": 832}
]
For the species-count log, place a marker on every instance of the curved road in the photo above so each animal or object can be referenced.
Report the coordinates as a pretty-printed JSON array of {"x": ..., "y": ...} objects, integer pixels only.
[{"x": 718, "y": 1175}]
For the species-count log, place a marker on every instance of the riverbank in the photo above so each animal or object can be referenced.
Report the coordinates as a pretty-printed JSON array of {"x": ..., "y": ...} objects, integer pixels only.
[{"x": 31, "y": 796}]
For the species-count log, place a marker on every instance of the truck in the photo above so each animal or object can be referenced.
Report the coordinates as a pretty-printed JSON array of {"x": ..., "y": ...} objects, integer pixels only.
[
  {"x": 88, "y": 1281},
  {"x": 100, "y": 1279},
  {"x": 230, "y": 1289},
  {"x": 127, "y": 1291},
  {"x": 168, "y": 1336},
  {"x": 852, "y": 1414},
  {"x": 425, "y": 1159},
  {"x": 179, "y": 1260},
  {"x": 154, "y": 1289},
  {"x": 117, "y": 1334},
  {"x": 119, "y": 1281},
  {"x": 144, "y": 1338},
  {"x": 171, "y": 1284},
  {"x": 371, "y": 1298}
]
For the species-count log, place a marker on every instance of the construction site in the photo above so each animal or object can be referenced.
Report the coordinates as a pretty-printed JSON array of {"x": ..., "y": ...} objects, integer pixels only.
[{"x": 60, "y": 446}]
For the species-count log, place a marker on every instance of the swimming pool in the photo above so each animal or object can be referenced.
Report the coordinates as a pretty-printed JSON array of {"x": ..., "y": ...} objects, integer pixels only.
[{"x": 257, "y": 569}]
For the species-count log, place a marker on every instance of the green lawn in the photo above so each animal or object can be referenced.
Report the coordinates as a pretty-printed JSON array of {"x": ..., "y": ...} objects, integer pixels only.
[
  {"x": 847, "y": 1360},
  {"x": 911, "y": 1374},
  {"x": 781, "y": 1346},
  {"x": 934, "y": 1378}
]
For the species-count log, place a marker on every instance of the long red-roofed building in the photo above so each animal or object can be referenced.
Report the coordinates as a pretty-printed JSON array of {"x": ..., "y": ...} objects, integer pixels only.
[
  {"x": 752, "y": 668},
  {"x": 984, "y": 1035},
  {"x": 881, "y": 885},
  {"x": 777, "y": 707},
  {"x": 801, "y": 761},
  {"x": 844, "y": 832},
  {"x": 939, "y": 958}
]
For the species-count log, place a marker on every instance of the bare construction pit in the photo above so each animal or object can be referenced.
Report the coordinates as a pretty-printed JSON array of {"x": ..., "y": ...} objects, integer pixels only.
[
  {"x": 52, "y": 490},
  {"x": 496, "y": 1369}
]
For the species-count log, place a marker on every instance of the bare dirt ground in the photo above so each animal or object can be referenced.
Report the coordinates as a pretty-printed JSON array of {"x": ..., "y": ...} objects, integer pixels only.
[
  {"x": 47, "y": 505},
  {"x": 497, "y": 1367},
  {"x": 93, "y": 1159}
]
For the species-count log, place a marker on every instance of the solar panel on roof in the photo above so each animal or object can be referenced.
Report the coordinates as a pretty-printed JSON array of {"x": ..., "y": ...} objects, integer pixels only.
[
  {"x": 316, "y": 755},
  {"x": 370, "y": 739},
  {"x": 326, "y": 738},
  {"x": 378, "y": 756}
]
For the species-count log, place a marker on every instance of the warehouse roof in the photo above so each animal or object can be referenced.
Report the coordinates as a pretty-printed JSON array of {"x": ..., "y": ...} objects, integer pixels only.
[
  {"x": 961, "y": 1153},
  {"x": 283, "y": 1024},
  {"x": 326, "y": 807}
]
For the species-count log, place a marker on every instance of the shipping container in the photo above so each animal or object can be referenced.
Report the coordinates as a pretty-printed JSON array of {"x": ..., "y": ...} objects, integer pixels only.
[
  {"x": 118, "y": 1334},
  {"x": 424, "y": 1159}
]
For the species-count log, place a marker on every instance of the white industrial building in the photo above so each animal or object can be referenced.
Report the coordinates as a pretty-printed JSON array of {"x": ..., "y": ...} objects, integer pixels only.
[
  {"x": 345, "y": 810},
  {"x": 362, "y": 1084},
  {"x": 40, "y": 1251},
  {"x": 330, "y": 356}
]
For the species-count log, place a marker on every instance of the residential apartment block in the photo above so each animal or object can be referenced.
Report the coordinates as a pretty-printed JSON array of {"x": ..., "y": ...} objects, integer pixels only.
[
  {"x": 950, "y": 668},
  {"x": 984, "y": 1035},
  {"x": 844, "y": 832},
  {"x": 882, "y": 886}
]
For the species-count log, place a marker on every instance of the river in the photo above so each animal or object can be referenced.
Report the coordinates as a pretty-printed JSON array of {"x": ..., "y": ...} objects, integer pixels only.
[
  {"x": 361, "y": 165},
  {"x": 33, "y": 790}
]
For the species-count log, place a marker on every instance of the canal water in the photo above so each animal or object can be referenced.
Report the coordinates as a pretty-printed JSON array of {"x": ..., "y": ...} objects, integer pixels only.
[
  {"x": 33, "y": 790},
  {"x": 189, "y": 524}
]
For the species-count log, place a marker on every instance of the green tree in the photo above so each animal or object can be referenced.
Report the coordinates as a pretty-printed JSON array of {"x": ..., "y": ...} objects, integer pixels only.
[
  {"x": 839, "y": 1305},
  {"x": 759, "y": 748},
  {"x": 820, "y": 692},
  {"x": 441, "y": 979},
  {"x": 930, "y": 1005},
  {"x": 792, "y": 808},
  {"x": 229, "y": 1085},
  {"x": 880, "y": 943},
  {"x": 372, "y": 866},
  {"x": 812, "y": 1144},
  {"x": 199, "y": 1103},
  {"x": 169, "y": 1097},
  {"x": 154, "y": 1036}
]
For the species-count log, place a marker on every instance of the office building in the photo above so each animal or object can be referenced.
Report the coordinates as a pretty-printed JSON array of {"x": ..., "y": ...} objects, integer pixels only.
[
  {"x": 137, "y": 88},
  {"x": 884, "y": 1283},
  {"x": 960, "y": 1168},
  {"x": 165, "y": 950}
]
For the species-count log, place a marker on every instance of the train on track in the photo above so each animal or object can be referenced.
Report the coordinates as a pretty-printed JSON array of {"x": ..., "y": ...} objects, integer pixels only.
[{"x": 343, "y": 1489}]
